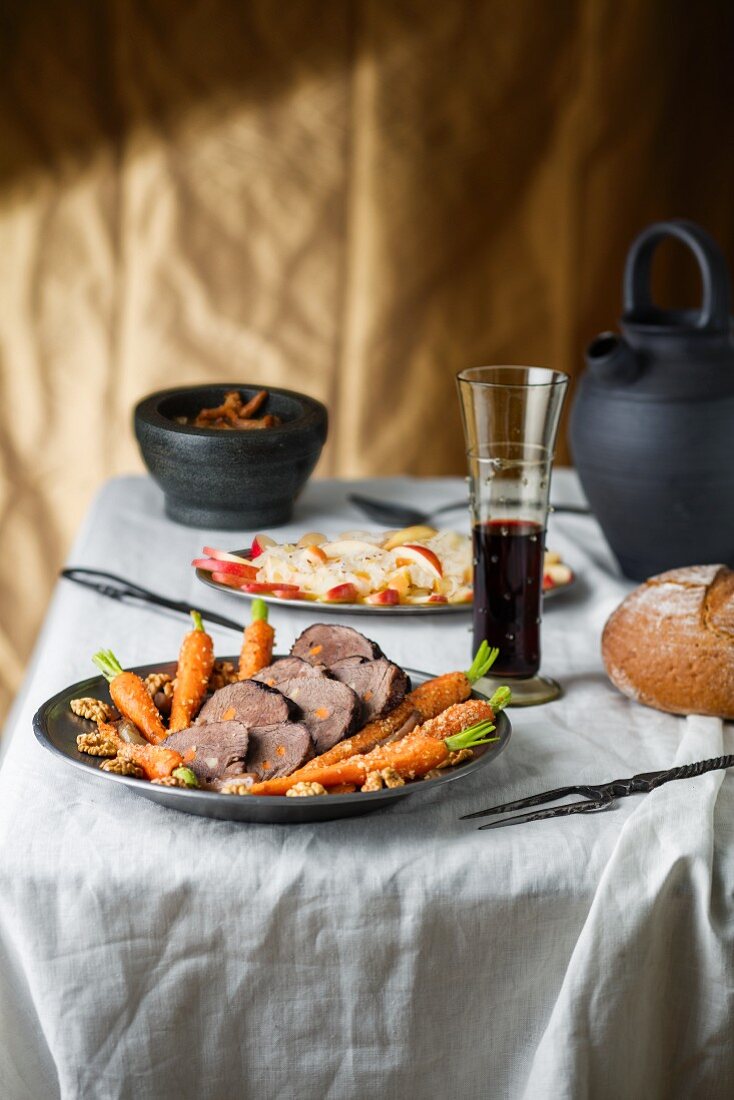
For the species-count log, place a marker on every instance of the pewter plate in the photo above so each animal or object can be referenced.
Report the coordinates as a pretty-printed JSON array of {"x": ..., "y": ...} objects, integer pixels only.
[
  {"x": 357, "y": 608},
  {"x": 57, "y": 728}
]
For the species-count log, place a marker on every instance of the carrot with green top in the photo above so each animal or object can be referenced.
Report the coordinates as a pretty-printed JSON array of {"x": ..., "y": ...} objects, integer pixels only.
[
  {"x": 441, "y": 692},
  {"x": 130, "y": 696},
  {"x": 412, "y": 757},
  {"x": 426, "y": 701},
  {"x": 195, "y": 664},
  {"x": 258, "y": 641}
]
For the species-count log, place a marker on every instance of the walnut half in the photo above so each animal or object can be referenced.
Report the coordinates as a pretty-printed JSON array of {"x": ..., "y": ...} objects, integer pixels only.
[
  {"x": 305, "y": 790},
  {"x": 391, "y": 778},
  {"x": 94, "y": 709},
  {"x": 373, "y": 782},
  {"x": 97, "y": 744},
  {"x": 123, "y": 767}
]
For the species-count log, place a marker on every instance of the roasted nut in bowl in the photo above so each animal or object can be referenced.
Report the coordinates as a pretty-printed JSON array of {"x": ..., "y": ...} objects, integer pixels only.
[{"x": 232, "y": 480}]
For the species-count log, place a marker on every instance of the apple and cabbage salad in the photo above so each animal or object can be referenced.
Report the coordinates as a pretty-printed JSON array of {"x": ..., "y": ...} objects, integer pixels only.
[
  {"x": 417, "y": 565},
  {"x": 413, "y": 567}
]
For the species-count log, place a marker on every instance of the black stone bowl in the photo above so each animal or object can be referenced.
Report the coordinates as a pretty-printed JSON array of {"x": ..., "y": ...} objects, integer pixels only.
[{"x": 234, "y": 480}]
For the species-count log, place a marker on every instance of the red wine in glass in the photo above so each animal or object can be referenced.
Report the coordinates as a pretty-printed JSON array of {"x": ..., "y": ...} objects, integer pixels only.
[{"x": 508, "y": 581}]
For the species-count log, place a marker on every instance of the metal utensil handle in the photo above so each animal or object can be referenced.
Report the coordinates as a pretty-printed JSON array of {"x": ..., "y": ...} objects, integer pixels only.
[
  {"x": 114, "y": 587},
  {"x": 690, "y": 771},
  {"x": 716, "y": 302}
]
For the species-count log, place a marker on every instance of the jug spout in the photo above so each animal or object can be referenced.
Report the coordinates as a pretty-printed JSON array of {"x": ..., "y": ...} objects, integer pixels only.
[{"x": 610, "y": 359}]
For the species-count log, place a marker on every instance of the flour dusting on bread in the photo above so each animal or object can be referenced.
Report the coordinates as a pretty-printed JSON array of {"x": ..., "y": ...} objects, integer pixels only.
[{"x": 670, "y": 643}]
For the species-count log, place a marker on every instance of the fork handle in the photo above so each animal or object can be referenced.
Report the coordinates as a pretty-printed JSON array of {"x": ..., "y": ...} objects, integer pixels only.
[{"x": 690, "y": 771}]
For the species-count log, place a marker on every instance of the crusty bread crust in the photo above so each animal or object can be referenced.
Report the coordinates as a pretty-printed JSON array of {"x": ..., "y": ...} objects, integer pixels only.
[{"x": 670, "y": 643}]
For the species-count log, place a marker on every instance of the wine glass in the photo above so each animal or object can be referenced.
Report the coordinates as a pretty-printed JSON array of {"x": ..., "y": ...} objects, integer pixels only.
[{"x": 510, "y": 416}]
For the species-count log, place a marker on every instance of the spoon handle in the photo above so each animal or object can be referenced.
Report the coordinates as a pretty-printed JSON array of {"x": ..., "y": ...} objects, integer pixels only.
[
  {"x": 453, "y": 507},
  {"x": 561, "y": 509}
]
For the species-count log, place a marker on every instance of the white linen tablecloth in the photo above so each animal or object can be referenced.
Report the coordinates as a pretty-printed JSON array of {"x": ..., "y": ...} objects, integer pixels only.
[{"x": 148, "y": 954}]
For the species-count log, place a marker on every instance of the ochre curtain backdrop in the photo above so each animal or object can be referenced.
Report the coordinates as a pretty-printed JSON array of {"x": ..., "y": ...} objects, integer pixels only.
[{"x": 353, "y": 199}]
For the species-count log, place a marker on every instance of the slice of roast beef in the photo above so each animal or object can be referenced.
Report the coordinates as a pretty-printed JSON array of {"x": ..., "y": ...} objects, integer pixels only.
[
  {"x": 278, "y": 750},
  {"x": 324, "y": 644},
  {"x": 380, "y": 684},
  {"x": 330, "y": 710},
  {"x": 287, "y": 668},
  {"x": 217, "y": 747},
  {"x": 247, "y": 701}
]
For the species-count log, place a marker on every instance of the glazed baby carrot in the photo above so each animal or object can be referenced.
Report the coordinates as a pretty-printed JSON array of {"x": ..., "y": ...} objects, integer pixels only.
[
  {"x": 426, "y": 701},
  {"x": 411, "y": 757},
  {"x": 195, "y": 664},
  {"x": 156, "y": 761},
  {"x": 130, "y": 696},
  {"x": 257, "y": 644}
]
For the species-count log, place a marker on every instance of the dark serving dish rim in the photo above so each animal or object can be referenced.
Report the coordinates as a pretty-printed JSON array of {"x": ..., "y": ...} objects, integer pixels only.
[{"x": 147, "y": 411}]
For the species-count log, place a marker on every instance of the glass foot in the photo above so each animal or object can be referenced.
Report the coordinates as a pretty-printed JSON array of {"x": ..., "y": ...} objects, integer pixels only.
[{"x": 525, "y": 693}]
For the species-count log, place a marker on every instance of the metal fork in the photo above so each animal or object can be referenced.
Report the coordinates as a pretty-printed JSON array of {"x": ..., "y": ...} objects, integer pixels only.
[{"x": 595, "y": 798}]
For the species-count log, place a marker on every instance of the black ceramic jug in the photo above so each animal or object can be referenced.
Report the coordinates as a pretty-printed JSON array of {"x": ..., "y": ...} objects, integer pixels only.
[{"x": 652, "y": 425}]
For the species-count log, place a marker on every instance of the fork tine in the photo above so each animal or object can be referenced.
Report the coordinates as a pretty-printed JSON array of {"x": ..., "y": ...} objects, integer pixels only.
[
  {"x": 587, "y": 806},
  {"x": 524, "y": 803}
]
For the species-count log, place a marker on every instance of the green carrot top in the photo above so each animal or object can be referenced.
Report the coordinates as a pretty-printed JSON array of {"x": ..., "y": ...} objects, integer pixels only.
[
  {"x": 259, "y": 610},
  {"x": 483, "y": 661},
  {"x": 198, "y": 624},
  {"x": 468, "y": 738},
  {"x": 501, "y": 698},
  {"x": 107, "y": 664}
]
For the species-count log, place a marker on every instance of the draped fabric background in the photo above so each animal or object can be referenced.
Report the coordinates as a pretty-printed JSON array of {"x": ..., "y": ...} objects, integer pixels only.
[{"x": 353, "y": 198}]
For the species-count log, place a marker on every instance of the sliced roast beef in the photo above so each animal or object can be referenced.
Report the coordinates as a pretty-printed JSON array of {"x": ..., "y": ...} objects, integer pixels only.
[
  {"x": 217, "y": 747},
  {"x": 330, "y": 710},
  {"x": 324, "y": 644},
  {"x": 287, "y": 668},
  {"x": 380, "y": 684},
  {"x": 247, "y": 701},
  {"x": 278, "y": 750}
]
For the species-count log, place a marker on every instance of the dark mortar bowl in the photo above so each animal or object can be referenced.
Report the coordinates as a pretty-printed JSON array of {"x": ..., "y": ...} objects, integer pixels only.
[{"x": 234, "y": 480}]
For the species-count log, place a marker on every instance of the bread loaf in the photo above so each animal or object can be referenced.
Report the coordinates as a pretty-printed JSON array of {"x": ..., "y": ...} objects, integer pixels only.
[{"x": 670, "y": 643}]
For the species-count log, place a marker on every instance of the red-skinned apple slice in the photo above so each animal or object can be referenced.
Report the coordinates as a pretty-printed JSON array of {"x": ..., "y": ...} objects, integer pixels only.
[
  {"x": 260, "y": 543},
  {"x": 342, "y": 593},
  {"x": 228, "y": 580},
  {"x": 259, "y": 586},
  {"x": 224, "y": 555},
  {"x": 387, "y": 597},
  {"x": 237, "y": 569},
  {"x": 437, "y": 598},
  {"x": 420, "y": 555}
]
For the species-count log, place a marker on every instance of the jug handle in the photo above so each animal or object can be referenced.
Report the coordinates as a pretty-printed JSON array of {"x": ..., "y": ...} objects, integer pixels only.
[{"x": 716, "y": 304}]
